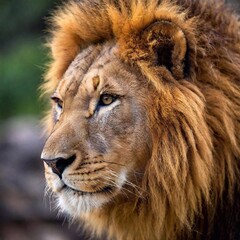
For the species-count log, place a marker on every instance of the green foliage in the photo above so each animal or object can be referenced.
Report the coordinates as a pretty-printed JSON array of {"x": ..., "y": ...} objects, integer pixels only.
[
  {"x": 22, "y": 56},
  {"x": 21, "y": 75}
]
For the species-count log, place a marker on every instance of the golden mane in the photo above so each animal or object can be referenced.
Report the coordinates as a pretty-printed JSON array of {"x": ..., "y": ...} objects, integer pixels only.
[{"x": 194, "y": 122}]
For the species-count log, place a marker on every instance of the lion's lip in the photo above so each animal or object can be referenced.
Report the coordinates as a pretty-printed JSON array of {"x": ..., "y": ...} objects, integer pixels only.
[{"x": 105, "y": 190}]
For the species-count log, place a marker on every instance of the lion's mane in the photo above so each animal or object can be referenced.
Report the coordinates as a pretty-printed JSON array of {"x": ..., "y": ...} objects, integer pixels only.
[{"x": 191, "y": 183}]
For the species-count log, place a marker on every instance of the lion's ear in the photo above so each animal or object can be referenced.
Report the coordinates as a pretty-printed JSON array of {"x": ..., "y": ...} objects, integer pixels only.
[{"x": 167, "y": 45}]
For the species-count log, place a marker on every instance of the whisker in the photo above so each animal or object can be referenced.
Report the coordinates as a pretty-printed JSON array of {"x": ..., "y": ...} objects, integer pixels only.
[
  {"x": 116, "y": 163},
  {"x": 126, "y": 181},
  {"x": 123, "y": 165},
  {"x": 138, "y": 194},
  {"x": 112, "y": 183},
  {"x": 138, "y": 189}
]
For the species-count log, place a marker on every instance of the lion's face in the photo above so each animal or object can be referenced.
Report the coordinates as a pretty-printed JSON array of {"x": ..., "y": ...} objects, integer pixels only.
[{"x": 99, "y": 143}]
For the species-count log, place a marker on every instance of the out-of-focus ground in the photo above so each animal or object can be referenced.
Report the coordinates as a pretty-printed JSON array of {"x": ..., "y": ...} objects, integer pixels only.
[
  {"x": 234, "y": 3},
  {"x": 25, "y": 213}
]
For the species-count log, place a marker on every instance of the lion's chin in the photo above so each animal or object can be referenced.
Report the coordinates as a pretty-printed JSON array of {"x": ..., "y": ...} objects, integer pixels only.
[{"x": 76, "y": 202}]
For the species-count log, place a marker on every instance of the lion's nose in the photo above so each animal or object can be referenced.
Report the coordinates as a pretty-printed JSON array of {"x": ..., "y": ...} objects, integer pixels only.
[{"x": 59, "y": 164}]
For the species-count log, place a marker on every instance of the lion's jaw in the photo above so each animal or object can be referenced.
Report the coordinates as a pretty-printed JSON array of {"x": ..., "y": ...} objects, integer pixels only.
[{"x": 110, "y": 144}]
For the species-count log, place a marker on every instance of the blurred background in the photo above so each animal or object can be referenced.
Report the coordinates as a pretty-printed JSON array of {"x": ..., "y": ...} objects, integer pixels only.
[{"x": 25, "y": 214}]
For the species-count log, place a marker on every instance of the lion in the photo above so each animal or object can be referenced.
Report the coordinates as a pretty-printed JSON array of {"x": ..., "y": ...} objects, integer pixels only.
[{"x": 144, "y": 126}]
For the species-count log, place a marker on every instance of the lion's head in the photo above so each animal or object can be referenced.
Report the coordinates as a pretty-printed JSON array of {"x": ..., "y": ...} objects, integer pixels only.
[
  {"x": 145, "y": 113},
  {"x": 100, "y": 139}
]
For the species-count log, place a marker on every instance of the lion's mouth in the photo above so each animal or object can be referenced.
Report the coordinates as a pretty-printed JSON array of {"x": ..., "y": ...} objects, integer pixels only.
[{"x": 104, "y": 190}]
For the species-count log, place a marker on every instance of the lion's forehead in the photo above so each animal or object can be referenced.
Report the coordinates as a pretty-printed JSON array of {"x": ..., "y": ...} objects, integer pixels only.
[{"x": 89, "y": 63}]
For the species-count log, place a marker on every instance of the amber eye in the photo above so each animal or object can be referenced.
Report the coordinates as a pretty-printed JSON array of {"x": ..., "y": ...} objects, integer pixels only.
[{"x": 107, "y": 99}]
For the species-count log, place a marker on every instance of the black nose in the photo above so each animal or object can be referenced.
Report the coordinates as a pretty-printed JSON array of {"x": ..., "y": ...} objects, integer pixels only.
[{"x": 59, "y": 164}]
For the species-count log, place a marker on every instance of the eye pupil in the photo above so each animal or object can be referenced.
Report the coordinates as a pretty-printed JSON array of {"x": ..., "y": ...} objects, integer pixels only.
[{"x": 107, "y": 99}]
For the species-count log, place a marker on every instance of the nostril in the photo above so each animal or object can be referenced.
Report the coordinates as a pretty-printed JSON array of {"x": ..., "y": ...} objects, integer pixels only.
[
  {"x": 59, "y": 164},
  {"x": 62, "y": 163}
]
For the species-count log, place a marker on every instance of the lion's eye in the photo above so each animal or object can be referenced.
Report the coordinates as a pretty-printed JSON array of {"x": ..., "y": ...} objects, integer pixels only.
[
  {"x": 58, "y": 102},
  {"x": 107, "y": 99}
]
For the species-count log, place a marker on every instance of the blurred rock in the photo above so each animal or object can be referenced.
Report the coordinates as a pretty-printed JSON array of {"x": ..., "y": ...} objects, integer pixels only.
[{"x": 21, "y": 172}]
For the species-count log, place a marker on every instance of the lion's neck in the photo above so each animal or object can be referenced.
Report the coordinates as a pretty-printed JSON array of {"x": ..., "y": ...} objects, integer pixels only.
[{"x": 126, "y": 220}]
